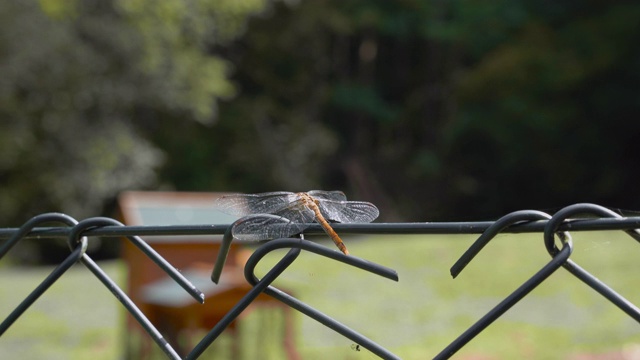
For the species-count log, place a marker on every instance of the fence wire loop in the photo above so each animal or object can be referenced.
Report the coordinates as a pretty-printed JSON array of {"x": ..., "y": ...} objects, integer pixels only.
[
  {"x": 557, "y": 260},
  {"x": 75, "y": 255},
  {"x": 28, "y": 226},
  {"x": 573, "y": 268},
  {"x": 124, "y": 299},
  {"x": 516, "y": 217},
  {"x": 560, "y": 257},
  {"x": 560, "y": 217}
]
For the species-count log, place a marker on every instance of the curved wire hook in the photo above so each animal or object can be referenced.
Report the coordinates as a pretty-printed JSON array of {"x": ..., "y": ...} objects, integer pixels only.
[
  {"x": 593, "y": 282},
  {"x": 491, "y": 232},
  {"x": 560, "y": 257},
  {"x": 31, "y": 224},
  {"x": 223, "y": 253},
  {"x": 556, "y": 262},
  {"x": 74, "y": 235},
  {"x": 308, "y": 310},
  {"x": 246, "y": 300},
  {"x": 228, "y": 238},
  {"x": 68, "y": 262},
  {"x": 583, "y": 208},
  {"x": 310, "y": 246},
  {"x": 263, "y": 285}
]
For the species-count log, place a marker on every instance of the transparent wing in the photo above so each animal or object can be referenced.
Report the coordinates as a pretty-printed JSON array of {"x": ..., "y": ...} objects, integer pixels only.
[
  {"x": 298, "y": 213},
  {"x": 348, "y": 211},
  {"x": 264, "y": 203},
  {"x": 265, "y": 227},
  {"x": 328, "y": 195}
]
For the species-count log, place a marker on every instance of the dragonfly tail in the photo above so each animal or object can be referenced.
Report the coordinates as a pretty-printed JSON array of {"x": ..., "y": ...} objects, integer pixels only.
[{"x": 341, "y": 246}]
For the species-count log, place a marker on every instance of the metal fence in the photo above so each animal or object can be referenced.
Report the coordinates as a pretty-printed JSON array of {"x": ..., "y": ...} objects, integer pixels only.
[{"x": 555, "y": 229}]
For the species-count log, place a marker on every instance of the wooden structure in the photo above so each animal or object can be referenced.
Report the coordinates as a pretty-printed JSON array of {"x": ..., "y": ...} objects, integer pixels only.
[{"x": 175, "y": 313}]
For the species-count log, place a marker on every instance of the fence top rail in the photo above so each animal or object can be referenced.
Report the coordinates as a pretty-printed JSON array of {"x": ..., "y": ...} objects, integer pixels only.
[{"x": 430, "y": 228}]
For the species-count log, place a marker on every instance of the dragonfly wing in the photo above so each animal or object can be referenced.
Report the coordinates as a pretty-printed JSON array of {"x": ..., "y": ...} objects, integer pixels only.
[
  {"x": 328, "y": 195},
  {"x": 246, "y": 204},
  {"x": 349, "y": 211},
  {"x": 265, "y": 227},
  {"x": 298, "y": 214}
]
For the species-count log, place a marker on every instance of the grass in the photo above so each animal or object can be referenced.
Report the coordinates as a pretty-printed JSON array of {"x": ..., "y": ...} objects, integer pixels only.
[
  {"x": 77, "y": 318},
  {"x": 415, "y": 318}
]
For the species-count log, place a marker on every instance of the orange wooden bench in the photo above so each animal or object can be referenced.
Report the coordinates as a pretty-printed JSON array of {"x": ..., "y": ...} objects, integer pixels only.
[{"x": 181, "y": 319}]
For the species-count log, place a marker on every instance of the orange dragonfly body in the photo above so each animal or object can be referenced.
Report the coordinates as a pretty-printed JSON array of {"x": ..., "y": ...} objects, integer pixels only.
[{"x": 296, "y": 211}]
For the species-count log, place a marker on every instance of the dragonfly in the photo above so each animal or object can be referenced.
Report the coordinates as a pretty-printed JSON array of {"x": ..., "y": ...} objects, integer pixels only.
[{"x": 294, "y": 213}]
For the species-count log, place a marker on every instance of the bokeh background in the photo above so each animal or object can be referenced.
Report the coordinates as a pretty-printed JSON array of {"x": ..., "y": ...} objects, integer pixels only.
[{"x": 432, "y": 110}]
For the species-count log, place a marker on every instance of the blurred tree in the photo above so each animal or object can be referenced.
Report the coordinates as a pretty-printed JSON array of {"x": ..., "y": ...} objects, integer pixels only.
[
  {"x": 82, "y": 84},
  {"x": 350, "y": 95},
  {"x": 548, "y": 116},
  {"x": 432, "y": 110},
  {"x": 85, "y": 84},
  {"x": 440, "y": 110}
]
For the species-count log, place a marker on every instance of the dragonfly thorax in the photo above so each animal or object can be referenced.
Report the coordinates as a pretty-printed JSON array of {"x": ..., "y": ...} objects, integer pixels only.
[{"x": 307, "y": 200}]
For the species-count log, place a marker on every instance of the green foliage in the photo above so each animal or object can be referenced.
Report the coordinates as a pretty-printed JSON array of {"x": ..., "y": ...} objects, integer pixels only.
[
  {"x": 436, "y": 110},
  {"x": 64, "y": 142},
  {"x": 362, "y": 99},
  {"x": 175, "y": 37},
  {"x": 552, "y": 105},
  {"x": 83, "y": 85},
  {"x": 442, "y": 110}
]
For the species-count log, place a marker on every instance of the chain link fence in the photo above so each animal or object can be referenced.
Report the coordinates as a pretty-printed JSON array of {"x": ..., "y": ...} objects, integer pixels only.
[{"x": 556, "y": 230}]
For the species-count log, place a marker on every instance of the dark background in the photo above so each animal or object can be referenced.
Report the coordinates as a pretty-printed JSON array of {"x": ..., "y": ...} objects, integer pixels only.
[{"x": 432, "y": 110}]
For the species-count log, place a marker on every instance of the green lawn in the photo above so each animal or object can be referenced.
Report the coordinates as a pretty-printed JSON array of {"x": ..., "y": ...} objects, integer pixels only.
[{"x": 415, "y": 317}]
